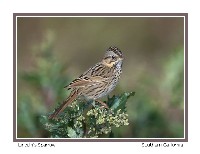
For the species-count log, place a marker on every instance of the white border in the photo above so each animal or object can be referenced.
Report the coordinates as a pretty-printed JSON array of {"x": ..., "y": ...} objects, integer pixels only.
[{"x": 101, "y": 138}]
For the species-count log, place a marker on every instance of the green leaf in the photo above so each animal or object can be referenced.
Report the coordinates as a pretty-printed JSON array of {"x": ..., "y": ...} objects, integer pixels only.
[
  {"x": 119, "y": 102},
  {"x": 71, "y": 132}
]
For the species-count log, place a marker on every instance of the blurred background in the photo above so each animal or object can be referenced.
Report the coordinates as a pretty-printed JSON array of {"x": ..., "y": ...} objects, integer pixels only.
[{"x": 52, "y": 51}]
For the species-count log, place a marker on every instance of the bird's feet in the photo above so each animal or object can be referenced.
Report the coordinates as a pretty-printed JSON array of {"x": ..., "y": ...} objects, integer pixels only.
[{"x": 104, "y": 105}]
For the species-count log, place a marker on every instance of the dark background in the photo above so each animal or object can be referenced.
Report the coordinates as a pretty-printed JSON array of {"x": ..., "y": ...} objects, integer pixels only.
[{"x": 53, "y": 51}]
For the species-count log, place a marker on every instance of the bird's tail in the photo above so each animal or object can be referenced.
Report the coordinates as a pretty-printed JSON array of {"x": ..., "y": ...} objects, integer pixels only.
[{"x": 69, "y": 100}]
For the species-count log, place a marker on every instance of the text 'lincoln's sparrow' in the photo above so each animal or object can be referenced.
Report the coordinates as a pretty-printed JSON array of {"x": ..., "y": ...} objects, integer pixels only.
[{"x": 96, "y": 82}]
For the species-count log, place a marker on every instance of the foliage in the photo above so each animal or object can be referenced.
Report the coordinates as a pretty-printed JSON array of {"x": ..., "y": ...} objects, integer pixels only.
[
  {"x": 39, "y": 88},
  {"x": 157, "y": 111},
  {"x": 77, "y": 121}
]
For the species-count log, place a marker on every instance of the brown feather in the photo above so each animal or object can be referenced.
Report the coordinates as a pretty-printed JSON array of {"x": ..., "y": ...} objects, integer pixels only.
[
  {"x": 79, "y": 83},
  {"x": 69, "y": 100},
  {"x": 82, "y": 82}
]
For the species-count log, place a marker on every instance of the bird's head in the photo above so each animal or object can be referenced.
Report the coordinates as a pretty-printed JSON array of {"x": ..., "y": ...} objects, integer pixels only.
[{"x": 113, "y": 57}]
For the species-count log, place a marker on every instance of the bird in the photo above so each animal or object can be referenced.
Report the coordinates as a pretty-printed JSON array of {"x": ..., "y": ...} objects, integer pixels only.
[{"x": 98, "y": 81}]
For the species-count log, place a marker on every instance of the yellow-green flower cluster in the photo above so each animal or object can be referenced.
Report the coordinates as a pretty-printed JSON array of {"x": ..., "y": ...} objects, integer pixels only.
[
  {"x": 103, "y": 119},
  {"x": 74, "y": 106},
  {"x": 79, "y": 122}
]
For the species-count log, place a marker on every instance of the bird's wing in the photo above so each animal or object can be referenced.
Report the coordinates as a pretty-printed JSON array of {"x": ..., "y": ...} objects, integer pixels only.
[
  {"x": 85, "y": 81},
  {"x": 89, "y": 77}
]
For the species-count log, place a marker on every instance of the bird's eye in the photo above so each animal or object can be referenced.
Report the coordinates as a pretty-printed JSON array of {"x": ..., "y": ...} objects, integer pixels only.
[{"x": 113, "y": 57}]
